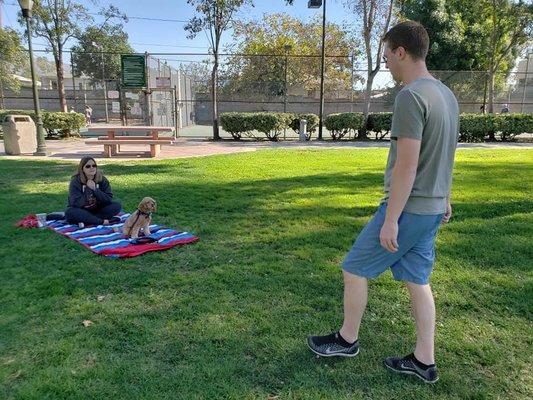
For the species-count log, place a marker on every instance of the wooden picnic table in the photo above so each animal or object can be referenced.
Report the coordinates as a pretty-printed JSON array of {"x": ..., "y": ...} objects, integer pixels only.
[{"x": 112, "y": 141}]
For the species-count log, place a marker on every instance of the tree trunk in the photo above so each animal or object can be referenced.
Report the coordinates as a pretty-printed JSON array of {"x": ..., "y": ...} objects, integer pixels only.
[
  {"x": 366, "y": 109},
  {"x": 491, "y": 91},
  {"x": 214, "y": 99},
  {"x": 368, "y": 89},
  {"x": 492, "y": 138},
  {"x": 60, "y": 79},
  {"x": 1, "y": 95}
]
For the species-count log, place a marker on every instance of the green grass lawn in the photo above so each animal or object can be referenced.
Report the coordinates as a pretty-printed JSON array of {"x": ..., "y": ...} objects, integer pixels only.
[{"x": 228, "y": 316}]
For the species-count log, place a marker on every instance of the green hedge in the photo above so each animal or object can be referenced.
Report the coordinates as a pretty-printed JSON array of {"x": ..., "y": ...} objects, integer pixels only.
[
  {"x": 341, "y": 124},
  {"x": 473, "y": 127},
  {"x": 312, "y": 123},
  {"x": 380, "y": 124},
  {"x": 510, "y": 125},
  {"x": 479, "y": 127},
  {"x": 55, "y": 123},
  {"x": 271, "y": 124}
]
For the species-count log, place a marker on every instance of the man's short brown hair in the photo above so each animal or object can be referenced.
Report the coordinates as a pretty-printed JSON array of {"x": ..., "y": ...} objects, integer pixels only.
[{"x": 410, "y": 35}]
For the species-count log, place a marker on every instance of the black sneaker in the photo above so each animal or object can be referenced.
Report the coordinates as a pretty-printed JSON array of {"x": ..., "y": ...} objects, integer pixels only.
[
  {"x": 332, "y": 345},
  {"x": 410, "y": 365}
]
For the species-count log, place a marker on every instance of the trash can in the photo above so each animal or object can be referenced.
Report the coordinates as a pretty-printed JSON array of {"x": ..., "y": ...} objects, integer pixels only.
[{"x": 20, "y": 134}]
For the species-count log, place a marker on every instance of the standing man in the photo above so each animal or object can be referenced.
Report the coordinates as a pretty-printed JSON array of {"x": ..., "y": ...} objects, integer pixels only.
[{"x": 418, "y": 178}]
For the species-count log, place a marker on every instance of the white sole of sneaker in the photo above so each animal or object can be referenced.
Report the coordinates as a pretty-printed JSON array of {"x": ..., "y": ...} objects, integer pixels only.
[
  {"x": 411, "y": 373},
  {"x": 333, "y": 354}
]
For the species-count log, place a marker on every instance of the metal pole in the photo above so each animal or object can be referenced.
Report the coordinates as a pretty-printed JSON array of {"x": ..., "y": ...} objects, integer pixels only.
[
  {"x": 525, "y": 84},
  {"x": 351, "y": 84},
  {"x": 178, "y": 100},
  {"x": 41, "y": 144},
  {"x": 73, "y": 82},
  {"x": 285, "y": 89},
  {"x": 321, "y": 114},
  {"x": 175, "y": 111},
  {"x": 105, "y": 85}
]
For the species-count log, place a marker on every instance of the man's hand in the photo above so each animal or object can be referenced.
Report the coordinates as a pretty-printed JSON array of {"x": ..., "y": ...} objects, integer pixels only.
[
  {"x": 90, "y": 184},
  {"x": 448, "y": 213},
  {"x": 388, "y": 236}
]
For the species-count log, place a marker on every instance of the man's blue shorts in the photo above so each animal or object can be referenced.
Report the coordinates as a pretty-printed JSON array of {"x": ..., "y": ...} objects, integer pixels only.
[{"x": 414, "y": 259}]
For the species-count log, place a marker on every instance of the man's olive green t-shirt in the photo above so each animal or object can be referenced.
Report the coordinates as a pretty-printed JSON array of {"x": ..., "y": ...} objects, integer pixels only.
[{"x": 428, "y": 111}]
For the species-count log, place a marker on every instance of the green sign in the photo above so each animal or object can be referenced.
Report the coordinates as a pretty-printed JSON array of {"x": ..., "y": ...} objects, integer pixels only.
[{"x": 133, "y": 70}]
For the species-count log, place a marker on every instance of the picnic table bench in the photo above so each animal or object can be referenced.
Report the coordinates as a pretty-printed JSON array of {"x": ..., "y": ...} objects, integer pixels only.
[{"x": 112, "y": 142}]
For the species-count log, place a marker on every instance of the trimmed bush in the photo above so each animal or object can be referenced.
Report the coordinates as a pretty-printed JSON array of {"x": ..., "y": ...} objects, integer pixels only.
[
  {"x": 380, "y": 124},
  {"x": 60, "y": 123},
  {"x": 312, "y": 123},
  {"x": 510, "y": 125},
  {"x": 66, "y": 124},
  {"x": 341, "y": 124},
  {"x": 236, "y": 124},
  {"x": 271, "y": 124},
  {"x": 473, "y": 128}
]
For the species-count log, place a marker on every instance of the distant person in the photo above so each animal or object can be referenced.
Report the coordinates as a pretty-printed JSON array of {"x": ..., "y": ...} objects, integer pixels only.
[
  {"x": 90, "y": 199},
  {"x": 482, "y": 109},
  {"x": 505, "y": 109},
  {"x": 88, "y": 114},
  {"x": 72, "y": 110}
]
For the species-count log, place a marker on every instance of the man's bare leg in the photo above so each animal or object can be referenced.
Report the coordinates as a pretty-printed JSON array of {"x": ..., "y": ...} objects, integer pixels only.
[
  {"x": 355, "y": 299},
  {"x": 423, "y": 308}
]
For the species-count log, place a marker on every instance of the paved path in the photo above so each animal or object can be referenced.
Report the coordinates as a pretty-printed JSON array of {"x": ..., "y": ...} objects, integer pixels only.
[{"x": 74, "y": 149}]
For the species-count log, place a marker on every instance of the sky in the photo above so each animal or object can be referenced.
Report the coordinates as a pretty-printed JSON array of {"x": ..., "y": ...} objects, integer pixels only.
[
  {"x": 170, "y": 36},
  {"x": 157, "y": 26}
]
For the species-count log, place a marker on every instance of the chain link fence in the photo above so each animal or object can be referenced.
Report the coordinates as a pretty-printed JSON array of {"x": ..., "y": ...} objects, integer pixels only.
[{"x": 178, "y": 91}]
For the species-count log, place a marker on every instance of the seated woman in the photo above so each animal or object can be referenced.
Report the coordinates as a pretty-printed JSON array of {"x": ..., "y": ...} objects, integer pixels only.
[{"x": 90, "y": 197}]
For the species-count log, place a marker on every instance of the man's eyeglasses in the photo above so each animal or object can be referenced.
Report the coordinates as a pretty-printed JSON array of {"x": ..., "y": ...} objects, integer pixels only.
[{"x": 87, "y": 166}]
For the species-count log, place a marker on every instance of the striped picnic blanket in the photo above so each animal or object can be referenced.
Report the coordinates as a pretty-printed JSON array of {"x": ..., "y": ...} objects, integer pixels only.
[{"x": 102, "y": 239}]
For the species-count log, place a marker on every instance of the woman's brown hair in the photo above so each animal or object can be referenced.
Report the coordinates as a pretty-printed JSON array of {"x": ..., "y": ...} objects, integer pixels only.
[{"x": 81, "y": 174}]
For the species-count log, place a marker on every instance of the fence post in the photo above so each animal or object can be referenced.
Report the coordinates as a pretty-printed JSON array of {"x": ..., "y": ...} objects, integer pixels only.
[
  {"x": 73, "y": 82},
  {"x": 525, "y": 84}
]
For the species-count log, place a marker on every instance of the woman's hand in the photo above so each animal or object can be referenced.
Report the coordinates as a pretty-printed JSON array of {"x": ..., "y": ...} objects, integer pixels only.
[{"x": 90, "y": 184}]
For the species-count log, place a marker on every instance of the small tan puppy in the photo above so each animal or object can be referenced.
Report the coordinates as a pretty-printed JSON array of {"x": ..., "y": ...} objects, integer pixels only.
[{"x": 140, "y": 219}]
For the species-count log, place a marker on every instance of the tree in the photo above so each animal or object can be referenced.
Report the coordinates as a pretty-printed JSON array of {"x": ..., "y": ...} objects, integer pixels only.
[
  {"x": 12, "y": 60},
  {"x": 199, "y": 73},
  {"x": 511, "y": 28},
  {"x": 473, "y": 35},
  {"x": 88, "y": 55},
  {"x": 376, "y": 16},
  {"x": 57, "y": 21},
  {"x": 448, "y": 31},
  {"x": 267, "y": 46},
  {"x": 215, "y": 16}
]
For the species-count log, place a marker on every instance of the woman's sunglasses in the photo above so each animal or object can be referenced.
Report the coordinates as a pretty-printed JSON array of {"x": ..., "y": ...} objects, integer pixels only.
[{"x": 87, "y": 166}]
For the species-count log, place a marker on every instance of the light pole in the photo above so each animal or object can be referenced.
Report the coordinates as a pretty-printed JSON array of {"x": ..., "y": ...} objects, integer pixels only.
[
  {"x": 525, "y": 83},
  {"x": 318, "y": 4},
  {"x": 26, "y": 6},
  {"x": 287, "y": 48},
  {"x": 104, "y": 83}
]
